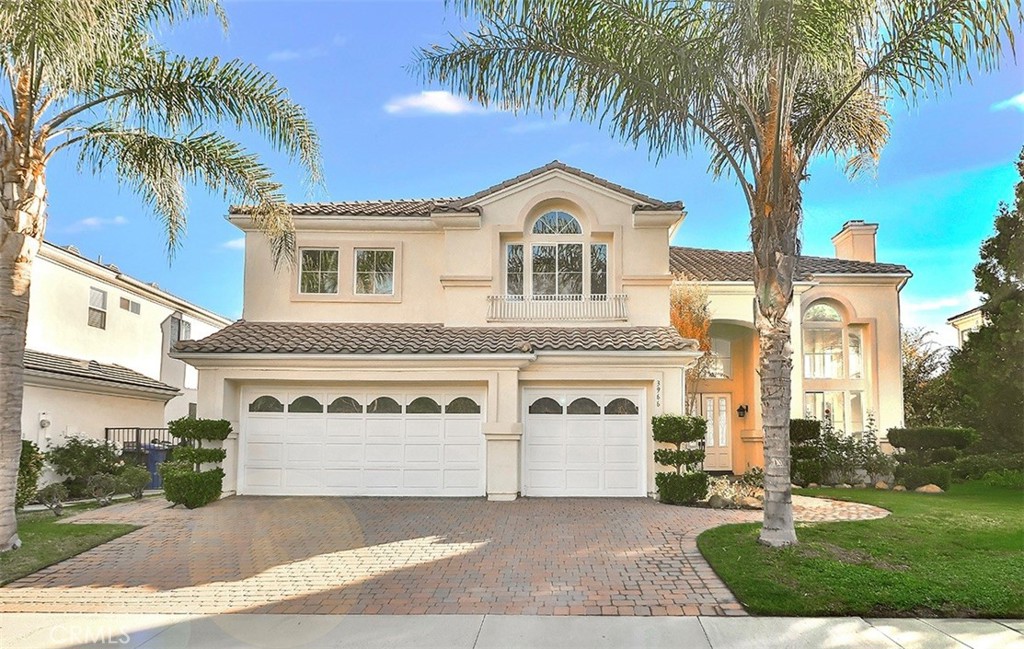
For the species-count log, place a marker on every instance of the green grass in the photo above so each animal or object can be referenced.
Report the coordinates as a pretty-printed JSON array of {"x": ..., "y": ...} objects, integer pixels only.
[
  {"x": 958, "y": 554},
  {"x": 45, "y": 541}
]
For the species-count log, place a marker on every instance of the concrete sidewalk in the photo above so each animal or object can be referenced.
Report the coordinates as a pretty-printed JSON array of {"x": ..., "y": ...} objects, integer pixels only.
[{"x": 59, "y": 631}]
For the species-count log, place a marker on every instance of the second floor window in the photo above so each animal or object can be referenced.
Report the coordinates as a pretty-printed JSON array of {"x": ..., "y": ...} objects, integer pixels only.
[
  {"x": 554, "y": 261},
  {"x": 375, "y": 272},
  {"x": 319, "y": 271},
  {"x": 97, "y": 308}
]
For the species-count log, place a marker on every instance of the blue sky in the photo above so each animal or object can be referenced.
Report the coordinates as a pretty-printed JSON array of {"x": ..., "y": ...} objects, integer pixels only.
[{"x": 948, "y": 164}]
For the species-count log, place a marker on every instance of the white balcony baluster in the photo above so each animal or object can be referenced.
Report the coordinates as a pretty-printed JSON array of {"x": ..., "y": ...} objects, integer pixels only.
[{"x": 571, "y": 308}]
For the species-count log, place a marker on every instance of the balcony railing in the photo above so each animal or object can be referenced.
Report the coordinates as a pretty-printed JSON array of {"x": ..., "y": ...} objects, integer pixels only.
[{"x": 563, "y": 308}]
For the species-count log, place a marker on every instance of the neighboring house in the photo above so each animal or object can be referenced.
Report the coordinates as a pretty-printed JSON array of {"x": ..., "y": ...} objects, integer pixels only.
[
  {"x": 515, "y": 341},
  {"x": 967, "y": 323},
  {"x": 97, "y": 350}
]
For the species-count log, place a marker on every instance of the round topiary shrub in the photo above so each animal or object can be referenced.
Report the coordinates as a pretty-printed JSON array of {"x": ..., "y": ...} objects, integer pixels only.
[
  {"x": 687, "y": 484},
  {"x": 681, "y": 489}
]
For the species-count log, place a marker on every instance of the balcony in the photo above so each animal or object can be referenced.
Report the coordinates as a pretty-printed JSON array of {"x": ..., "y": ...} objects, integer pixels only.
[{"x": 563, "y": 308}]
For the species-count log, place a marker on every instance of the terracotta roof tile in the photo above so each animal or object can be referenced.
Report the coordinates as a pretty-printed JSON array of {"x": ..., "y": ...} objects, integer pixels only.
[
  {"x": 732, "y": 266},
  {"x": 245, "y": 337},
  {"x": 93, "y": 372}
]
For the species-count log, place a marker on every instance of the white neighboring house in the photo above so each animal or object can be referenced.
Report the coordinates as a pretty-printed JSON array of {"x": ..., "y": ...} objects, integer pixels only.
[
  {"x": 967, "y": 323},
  {"x": 97, "y": 350}
]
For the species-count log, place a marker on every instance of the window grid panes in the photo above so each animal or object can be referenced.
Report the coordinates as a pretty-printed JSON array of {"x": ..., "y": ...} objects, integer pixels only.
[
  {"x": 514, "y": 269},
  {"x": 319, "y": 271},
  {"x": 823, "y": 353},
  {"x": 557, "y": 223},
  {"x": 720, "y": 359},
  {"x": 558, "y": 269},
  {"x": 97, "y": 308},
  {"x": 599, "y": 269},
  {"x": 375, "y": 272}
]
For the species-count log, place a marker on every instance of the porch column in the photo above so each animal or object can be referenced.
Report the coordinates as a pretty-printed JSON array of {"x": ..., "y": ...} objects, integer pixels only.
[{"x": 503, "y": 432}]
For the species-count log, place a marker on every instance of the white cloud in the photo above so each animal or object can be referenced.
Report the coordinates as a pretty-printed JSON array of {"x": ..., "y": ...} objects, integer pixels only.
[
  {"x": 288, "y": 55},
  {"x": 1016, "y": 102},
  {"x": 95, "y": 223},
  {"x": 234, "y": 244},
  {"x": 436, "y": 102}
]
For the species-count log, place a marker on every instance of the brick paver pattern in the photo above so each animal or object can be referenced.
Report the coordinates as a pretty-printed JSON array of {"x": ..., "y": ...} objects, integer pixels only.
[{"x": 400, "y": 556}]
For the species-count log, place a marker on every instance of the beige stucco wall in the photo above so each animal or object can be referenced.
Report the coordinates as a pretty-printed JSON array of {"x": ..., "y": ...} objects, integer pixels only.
[{"x": 445, "y": 269}]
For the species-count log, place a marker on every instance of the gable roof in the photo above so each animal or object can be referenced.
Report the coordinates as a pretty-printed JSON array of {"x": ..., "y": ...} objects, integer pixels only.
[
  {"x": 424, "y": 206},
  {"x": 93, "y": 372},
  {"x": 706, "y": 265},
  {"x": 386, "y": 338}
]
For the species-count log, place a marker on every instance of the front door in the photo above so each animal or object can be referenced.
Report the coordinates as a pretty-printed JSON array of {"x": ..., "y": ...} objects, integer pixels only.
[{"x": 717, "y": 447}]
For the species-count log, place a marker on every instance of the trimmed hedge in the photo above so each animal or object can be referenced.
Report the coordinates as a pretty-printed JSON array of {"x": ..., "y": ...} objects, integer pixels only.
[
  {"x": 678, "y": 429},
  {"x": 804, "y": 472},
  {"x": 29, "y": 469},
  {"x": 678, "y": 458},
  {"x": 932, "y": 437},
  {"x": 196, "y": 456},
  {"x": 183, "y": 486},
  {"x": 913, "y": 477},
  {"x": 944, "y": 455},
  {"x": 133, "y": 480},
  {"x": 214, "y": 430},
  {"x": 974, "y": 467},
  {"x": 802, "y": 431},
  {"x": 685, "y": 489}
]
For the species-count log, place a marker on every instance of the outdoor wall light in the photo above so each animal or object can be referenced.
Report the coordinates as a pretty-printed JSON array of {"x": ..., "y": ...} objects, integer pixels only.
[{"x": 742, "y": 411}]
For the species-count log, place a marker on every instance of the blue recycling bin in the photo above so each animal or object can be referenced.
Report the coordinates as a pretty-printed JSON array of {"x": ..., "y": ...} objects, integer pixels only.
[{"x": 155, "y": 454}]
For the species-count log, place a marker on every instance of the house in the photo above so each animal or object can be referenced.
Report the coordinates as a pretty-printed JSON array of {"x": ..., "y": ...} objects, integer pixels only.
[
  {"x": 512, "y": 342},
  {"x": 967, "y": 323},
  {"x": 97, "y": 350}
]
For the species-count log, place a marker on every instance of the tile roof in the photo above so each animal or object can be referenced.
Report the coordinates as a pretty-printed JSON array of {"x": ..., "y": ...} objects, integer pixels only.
[
  {"x": 93, "y": 372},
  {"x": 731, "y": 266},
  {"x": 424, "y": 206},
  {"x": 245, "y": 337}
]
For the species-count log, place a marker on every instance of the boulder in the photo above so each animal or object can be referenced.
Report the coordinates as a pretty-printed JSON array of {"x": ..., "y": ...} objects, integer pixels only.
[
  {"x": 843, "y": 486},
  {"x": 794, "y": 486},
  {"x": 717, "y": 502},
  {"x": 812, "y": 485},
  {"x": 751, "y": 503},
  {"x": 881, "y": 484},
  {"x": 861, "y": 485},
  {"x": 899, "y": 487},
  {"x": 929, "y": 489}
]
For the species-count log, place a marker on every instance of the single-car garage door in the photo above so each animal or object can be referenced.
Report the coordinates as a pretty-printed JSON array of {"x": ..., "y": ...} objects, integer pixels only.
[
  {"x": 361, "y": 443},
  {"x": 584, "y": 443}
]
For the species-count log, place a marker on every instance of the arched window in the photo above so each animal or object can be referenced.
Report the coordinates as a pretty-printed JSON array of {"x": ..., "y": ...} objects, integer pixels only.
[
  {"x": 823, "y": 334},
  {"x": 621, "y": 406},
  {"x": 344, "y": 405},
  {"x": 545, "y": 406},
  {"x": 305, "y": 404},
  {"x": 423, "y": 406},
  {"x": 553, "y": 261},
  {"x": 383, "y": 406},
  {"x": 583, "y": 406},
  {"x": 462, "y": 406},
  {"x": 833, "y": 364},
  {"x": 266, "y": 403}
]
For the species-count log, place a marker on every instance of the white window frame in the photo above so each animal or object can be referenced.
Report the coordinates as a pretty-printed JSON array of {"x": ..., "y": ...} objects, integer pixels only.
[
  {"x": 849, "y": 383},
  {"x": 529, "y": 240},
  {"x": 101, "y": 309}
]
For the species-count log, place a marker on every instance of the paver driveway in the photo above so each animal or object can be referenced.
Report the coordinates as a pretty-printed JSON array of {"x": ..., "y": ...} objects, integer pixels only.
[{"x": 396, "y": 555}]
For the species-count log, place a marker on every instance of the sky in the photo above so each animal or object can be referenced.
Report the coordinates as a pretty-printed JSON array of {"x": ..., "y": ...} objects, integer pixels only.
[{"x": 387, "y": 134}]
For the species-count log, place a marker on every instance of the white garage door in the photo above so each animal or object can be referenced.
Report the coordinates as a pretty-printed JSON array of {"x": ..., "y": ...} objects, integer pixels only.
[
  {"x": 361, "y": 443},
  {"x": 584, "y": 443}
]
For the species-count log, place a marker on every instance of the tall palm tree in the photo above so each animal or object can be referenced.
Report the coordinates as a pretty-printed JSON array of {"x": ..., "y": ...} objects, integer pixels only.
[
  {"x": 765, "y": 85},
  {"x": 88, "y": 78}
]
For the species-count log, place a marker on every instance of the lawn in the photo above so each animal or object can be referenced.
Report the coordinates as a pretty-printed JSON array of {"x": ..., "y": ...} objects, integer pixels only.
[
  {"x": 45, "y": 542},
  {"x": 958, "y": 554}
]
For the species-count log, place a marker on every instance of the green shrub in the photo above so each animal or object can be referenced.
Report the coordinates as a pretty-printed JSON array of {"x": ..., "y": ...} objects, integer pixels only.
[
  {"x": 974, "y": 467},
  {"x": 931, "y": 437},
  {"x": 681, "y": 459},
  {"x": 802, "y": 431},
  {"x": 685, "y": 489},
  {"x": 197, "y": 456},
  {"x": 53, "y": 496},
  {"x": 754, "y": 477},
  {"x": 183, "y": 486},
  {"x": 1006, "y": 479},
  {"x": 945, "y": 454},
  {"x": 804, "y": 472},
  {"x": 102, "y": 487},
  {"x": 29, "y": 470},
  {"x": 912, "y": 477},
  {"x": 678, "y": 429},
  {"x": 199, "y": 429},
  {"x": 80, "y": 458},
  {"x": 133, "y": 480}
]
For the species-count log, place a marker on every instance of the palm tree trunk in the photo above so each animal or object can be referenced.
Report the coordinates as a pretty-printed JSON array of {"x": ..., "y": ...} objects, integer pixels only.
[{"x": 23, "y": 204}]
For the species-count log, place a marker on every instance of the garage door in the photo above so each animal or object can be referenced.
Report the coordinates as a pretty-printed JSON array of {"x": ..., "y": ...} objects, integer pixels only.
[
  {"x": 361, "y": 443},
  {"x": 584, "y": 443}
]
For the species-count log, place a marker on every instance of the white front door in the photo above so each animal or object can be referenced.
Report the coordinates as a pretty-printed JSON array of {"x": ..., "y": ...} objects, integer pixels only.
[
  {"x": 584, "y": 442},
  {"x": 361, "y": 442},
  {"x": 718, "y": 442}
]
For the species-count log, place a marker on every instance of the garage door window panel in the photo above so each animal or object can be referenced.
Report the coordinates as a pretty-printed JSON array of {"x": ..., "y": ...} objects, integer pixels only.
[
  {"x": 545, "y": 406},
  {"x": 345, "y": 406},
  {"x": 423, "y": 406},
  {"x": 621, "y": 406},
  {"x": 583, "y": 406},
  {"x": 266, "y": 403},
  {"x": 462, "y": 406},
  {"x": 305, "y": 404},
  {"x": 384, "y": 406}
]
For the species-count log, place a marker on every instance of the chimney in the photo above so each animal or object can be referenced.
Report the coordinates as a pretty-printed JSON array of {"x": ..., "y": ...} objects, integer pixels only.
[{"x": 856, "y": 241}]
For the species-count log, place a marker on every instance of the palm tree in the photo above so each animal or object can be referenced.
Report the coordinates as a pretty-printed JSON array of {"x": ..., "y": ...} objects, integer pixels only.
[
  {"x": 765, "y": 85},
  {"x": 88, "y": 78}
]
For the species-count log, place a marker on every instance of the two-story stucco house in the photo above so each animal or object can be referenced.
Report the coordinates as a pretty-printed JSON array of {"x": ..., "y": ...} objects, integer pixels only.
[
  {"x": 512, "y": 342},
  {"x": 97, "y": 350}
]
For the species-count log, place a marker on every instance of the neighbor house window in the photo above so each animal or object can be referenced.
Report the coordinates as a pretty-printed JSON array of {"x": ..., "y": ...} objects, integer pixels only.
[
  {"x": 180, "y": 330},
  {"x": 834, "y": 373},
  {"x": 97, "y": 308},
  {"x": 131, "y": 306},
  {"x": 720, "y": 359},
  {"x": 318, "y": 273},
  {"x": 375, "y": 272}
]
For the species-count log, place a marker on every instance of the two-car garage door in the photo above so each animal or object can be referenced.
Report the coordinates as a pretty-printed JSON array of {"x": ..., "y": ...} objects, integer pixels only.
[{"x": 360, "y": 443}]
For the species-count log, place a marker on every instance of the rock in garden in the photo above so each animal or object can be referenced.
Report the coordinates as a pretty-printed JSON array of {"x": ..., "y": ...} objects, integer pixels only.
[
  {"x": 717, "y": 502},
  {"x": 899, "y": 487},
  {"x": 794, "y": 486},
  {"x": 929, "y": 489},
  {"x": 861, "y": 485},
  {"x": 751, "y": 503},
  {"x": 882, "y": 484},
  {"x": 812, "y": 485},
  {"x": 843, "y": 486}
]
